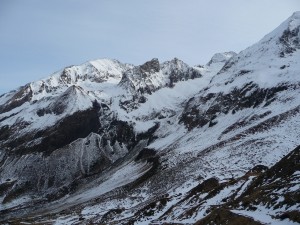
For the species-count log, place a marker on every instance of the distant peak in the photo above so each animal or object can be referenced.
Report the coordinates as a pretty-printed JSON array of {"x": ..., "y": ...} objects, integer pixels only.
[
  {"x": 151, "y": 66},
  {"x": 104, "y": 60},
  {"x": 291, "y": 24},
  {"x": 296, "y": 15},
  {"x": 176, "y": 61},
  {"x": 154, "y": 60},
  {"x": 288, "y": 34},
  {"x": 221, "y": 57},
  {"x": 294, "y": 21}
]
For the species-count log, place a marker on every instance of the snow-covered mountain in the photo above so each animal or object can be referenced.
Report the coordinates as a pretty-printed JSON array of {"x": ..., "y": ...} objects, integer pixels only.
[{"x": 161, "y": 143}]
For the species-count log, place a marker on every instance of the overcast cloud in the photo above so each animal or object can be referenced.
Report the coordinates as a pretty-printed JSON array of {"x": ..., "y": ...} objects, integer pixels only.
[{"x": 38, "y": 37}]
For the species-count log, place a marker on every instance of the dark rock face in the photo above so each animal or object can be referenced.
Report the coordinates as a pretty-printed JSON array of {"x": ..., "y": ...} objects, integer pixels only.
[
  {"x": 67, "y": 152},
  {"x": 78, "y": 125},
  {"x": 139, "y": 78},
  {"x": 80, "y": 145},
  {"x": 65, "y": 76},
  {"x": 145, "y": 153},
  {"x": 205, "y": 186},
  {"x": 226, "y": 217},
  {"x": 110, "y": 215},
  {"x": 50, "y": 164},
  {"x": 62, "y": 102},
  {"x": 152, "y": 75},
  {"x": 249, "y": 96},
  {"x": 23, "y": 95},
  {"x": 281, "y": 177},
  {"x": 151, "y": 209},
  {"x": 257, "y": 169},
  {"x": 264, "y": 191},
  {"x": 244, "y": 123},
  {"x": 143, "y": 80},
  {"x": 119, "y": 131},
  {"x": 6, "y": 187},
  {"x": 177, "y": 73},
  {"x": 150, "y": 66},
  {"x": 290, "y": 41},
  {"x": 54, "y": 175},
  {"x": 75, "y": 126}
]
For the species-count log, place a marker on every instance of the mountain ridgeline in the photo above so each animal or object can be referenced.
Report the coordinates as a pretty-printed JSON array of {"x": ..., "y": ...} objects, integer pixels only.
[{"x": 107, "y": 142}]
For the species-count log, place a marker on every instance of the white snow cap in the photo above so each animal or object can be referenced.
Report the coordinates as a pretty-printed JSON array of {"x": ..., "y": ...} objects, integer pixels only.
[
  {"x": 294, "y": 20},
  {"x": 221, "y": 57},
  {"x": 290, "y": 24}
]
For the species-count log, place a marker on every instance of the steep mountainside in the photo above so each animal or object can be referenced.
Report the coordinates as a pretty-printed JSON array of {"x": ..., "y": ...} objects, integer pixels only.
[{"x": 160, "y": 143}]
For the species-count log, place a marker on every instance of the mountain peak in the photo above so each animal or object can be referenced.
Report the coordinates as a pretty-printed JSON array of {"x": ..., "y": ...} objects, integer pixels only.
[
  {"x": 282, "y": 42},
  {"x": 296, "y": 15},
  {"x": 291, "y": 25},
  {"x": 284, "y": 39},
  {"x": 176, "y": 60},
  {"x": 152, "y": 75},
  {"x": 221, "y": 57},
  {"x": 175, "y": 63},
  {"x": 151, "y": 66}
]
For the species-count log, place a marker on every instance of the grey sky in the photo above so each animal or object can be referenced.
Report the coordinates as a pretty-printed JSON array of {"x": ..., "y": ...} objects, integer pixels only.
[{"x": 39, "y": 37}]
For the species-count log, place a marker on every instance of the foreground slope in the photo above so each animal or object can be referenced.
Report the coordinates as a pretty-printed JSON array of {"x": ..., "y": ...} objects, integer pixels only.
[
  {"x": 113, "y": 143},
  {"x": 272, "y": 196}
]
